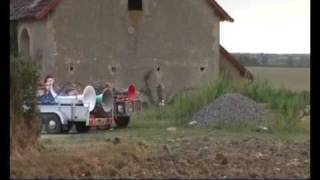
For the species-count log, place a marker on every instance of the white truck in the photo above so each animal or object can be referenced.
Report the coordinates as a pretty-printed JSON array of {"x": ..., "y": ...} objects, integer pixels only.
[{"x": 59, "y": 113}]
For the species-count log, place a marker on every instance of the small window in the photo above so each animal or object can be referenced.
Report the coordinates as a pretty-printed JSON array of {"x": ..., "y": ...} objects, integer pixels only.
[
  {"x": 135, "y": 5},
  {"x": 113, "y": 69},
  {"x": 71, "y": 68}
]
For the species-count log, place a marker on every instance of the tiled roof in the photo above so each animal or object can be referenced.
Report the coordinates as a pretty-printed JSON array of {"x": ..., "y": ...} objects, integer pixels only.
[
  {"x": 23, "y": 9},
  {"x": 224, "y": 16},
  {"x": 35, "y": 9},
  {"x": 243, "y": 71}
]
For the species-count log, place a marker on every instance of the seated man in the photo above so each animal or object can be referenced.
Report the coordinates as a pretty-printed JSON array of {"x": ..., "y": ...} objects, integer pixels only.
[{"x": 44, "y": 93}]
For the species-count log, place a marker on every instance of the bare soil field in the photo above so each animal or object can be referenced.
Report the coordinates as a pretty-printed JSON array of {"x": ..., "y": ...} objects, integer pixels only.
[
  {"x": 159, "y": 153},
  {"x": 291, "y": 78}
]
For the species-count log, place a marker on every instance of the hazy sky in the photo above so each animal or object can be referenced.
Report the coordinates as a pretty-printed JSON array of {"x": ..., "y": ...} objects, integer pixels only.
[{"x": 267, "y": 26}]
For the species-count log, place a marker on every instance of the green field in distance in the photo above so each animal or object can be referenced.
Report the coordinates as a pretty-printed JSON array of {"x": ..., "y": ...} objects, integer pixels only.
[{"x": 297, "y": 79}]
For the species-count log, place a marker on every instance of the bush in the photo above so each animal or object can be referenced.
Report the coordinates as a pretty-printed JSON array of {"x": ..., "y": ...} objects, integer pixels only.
[
  {"x": 24, "y": 127},
  {"x": 13, "y": 39},
  {"x": 285, "y": 104}
]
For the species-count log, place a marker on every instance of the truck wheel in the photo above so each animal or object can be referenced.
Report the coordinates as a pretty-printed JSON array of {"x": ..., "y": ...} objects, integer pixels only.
[
  {"x": 53, "y": 124},
  {"x": 66, "y": 128},
  {"x": 122, "y": 122},
  {"x": 81, "y": 127}
]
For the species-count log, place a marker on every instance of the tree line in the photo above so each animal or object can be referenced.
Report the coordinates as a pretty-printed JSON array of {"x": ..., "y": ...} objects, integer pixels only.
[{"x": 273, "y": 60}]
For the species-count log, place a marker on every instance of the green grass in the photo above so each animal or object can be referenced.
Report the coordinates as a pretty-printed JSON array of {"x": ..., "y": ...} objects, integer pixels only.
[
  {"x": 285, "y": 104},
  {"x": 157, "y": 136}
]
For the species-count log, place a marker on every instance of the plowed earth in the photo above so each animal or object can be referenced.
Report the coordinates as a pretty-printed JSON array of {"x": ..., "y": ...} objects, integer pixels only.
[{"x": 181, "y": 154}]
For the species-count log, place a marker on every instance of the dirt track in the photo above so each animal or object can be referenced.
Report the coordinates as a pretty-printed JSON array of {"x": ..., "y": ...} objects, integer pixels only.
[{"x": 123, "y": 154}]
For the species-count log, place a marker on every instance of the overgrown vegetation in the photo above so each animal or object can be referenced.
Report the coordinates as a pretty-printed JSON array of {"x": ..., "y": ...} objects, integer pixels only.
[
  {"x": 13, "y": 39},
  {"x": 285, "y": 104},
  {"x": 24, "y": 128}
]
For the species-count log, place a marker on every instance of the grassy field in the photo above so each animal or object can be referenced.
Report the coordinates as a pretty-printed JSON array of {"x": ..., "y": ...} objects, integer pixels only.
[
  {"x": 291, "y": 78},
  {"x": 148, "y": 148},
  {"x": 159, "y": 143}
]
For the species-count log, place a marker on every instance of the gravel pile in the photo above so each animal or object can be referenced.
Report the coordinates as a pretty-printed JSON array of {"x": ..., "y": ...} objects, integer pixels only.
[{"x": 231, "y": 109}]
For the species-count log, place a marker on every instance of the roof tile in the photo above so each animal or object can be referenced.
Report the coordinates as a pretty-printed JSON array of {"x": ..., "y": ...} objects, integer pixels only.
[{"x": 23, "y": 9}]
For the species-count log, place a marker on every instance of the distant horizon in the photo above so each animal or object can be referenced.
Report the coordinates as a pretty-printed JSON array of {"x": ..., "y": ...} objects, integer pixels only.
[
  {"x": 269, "y": 53},
  {"x": 269, "y": 27}
]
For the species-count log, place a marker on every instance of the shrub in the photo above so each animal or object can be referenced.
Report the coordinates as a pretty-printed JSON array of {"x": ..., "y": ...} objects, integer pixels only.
[
  {"x": 13, "y": 39},
  {"x": 24, "y": 128},
  {"x": 285, "y": 104}
]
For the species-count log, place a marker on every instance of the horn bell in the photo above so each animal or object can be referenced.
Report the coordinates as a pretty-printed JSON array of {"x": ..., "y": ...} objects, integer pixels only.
[
  {"x": 88, "y": 98},
  {"x": 105, "y": 99},
  {"x": 132, "y": 92}
]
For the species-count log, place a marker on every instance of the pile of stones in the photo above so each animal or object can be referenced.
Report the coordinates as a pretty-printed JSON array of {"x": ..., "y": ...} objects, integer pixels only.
[{"x": 231, "y": 109}]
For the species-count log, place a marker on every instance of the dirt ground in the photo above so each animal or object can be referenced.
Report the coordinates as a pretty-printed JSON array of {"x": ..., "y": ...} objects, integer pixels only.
[{"x": 184, "y": 153}]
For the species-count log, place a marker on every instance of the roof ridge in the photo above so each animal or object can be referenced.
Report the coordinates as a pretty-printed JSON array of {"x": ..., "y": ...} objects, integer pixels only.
[
  {"x": 40, "y": 8},
  {"x": 220, "y": 11},
  {"x": 52, "y": 5},
  {"x": 243, "y": 71}
]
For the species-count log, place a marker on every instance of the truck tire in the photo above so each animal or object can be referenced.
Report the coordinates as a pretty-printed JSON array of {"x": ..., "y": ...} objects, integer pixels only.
[
  {"x": 122, "y": 122},
  {"x": 53, "y": 124},
  {"x": 66, "y": 128},
  {"x": 81, "y": 127}
]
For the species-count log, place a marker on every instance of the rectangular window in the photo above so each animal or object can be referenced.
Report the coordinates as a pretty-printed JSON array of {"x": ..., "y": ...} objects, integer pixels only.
[{"x": 135, "y": 5}]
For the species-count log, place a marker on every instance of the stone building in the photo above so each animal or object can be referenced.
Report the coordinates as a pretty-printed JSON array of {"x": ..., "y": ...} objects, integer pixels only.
[{"x": 172, "y": 44}]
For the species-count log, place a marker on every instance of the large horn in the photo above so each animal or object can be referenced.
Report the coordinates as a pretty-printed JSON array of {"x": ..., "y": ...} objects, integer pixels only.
[
  {"x": 132, "y": 92},
  {"x": 105, "y": 99},
  {"x": 88, "y": 98}
]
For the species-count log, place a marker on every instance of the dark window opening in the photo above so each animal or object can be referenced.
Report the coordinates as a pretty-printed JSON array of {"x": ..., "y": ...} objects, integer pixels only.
[
  {"x": 202, "y": 68},
  {"x": 25, "y": 43},
  {"x": 158, "y": 68},
  {"x": 113, "y": 69},
  {"x": 135, "y": 5},
  {"x": 71, "y": 68}
]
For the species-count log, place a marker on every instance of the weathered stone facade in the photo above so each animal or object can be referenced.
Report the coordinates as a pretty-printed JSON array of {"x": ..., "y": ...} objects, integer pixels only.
[{"x": 169, "y": 43}]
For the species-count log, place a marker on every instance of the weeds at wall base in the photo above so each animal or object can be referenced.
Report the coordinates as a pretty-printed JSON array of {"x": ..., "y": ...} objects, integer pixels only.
[{"x": 285, "y": 104}]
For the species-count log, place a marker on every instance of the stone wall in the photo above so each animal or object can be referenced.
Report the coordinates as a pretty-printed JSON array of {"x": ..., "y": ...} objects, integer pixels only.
[{"x": 172, "y": 43}]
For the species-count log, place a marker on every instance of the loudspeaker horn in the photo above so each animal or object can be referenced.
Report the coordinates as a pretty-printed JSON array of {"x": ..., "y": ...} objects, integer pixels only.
[
  {"x": 87, "y": 98},
  {"x": 132, "y": 92},
  {"x": 105, "y": 99}
]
